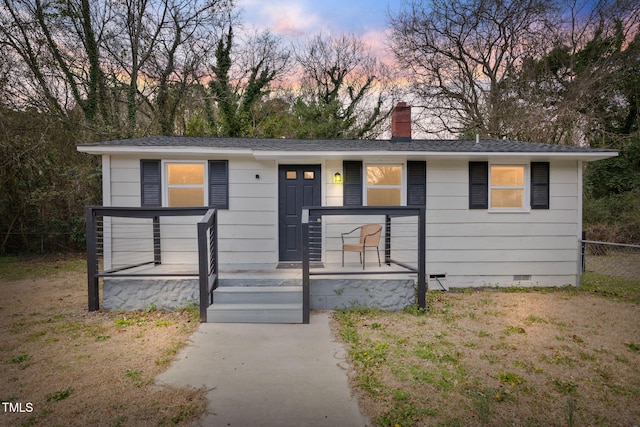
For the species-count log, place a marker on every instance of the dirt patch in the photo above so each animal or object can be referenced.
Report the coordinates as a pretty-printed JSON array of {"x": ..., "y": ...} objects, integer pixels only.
[
  {"x": 61, "y": 365},
  {"x": 499, "y": 359}
]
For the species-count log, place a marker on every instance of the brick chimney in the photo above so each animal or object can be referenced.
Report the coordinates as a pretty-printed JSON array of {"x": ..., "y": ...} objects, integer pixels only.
[{"x": 401, "y": 123}]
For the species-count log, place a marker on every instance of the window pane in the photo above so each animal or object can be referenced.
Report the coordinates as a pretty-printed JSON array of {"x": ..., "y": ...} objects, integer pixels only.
[
  {"x": 291, "y": 175},
  {"x": 186, "y": 197},
  {"x": 309, "y": 175},
  {"x": 383, "y": 197},
  {"x": 510, "y": 176},
  {"x": 384, "y": 175},
  {"x": 185, "y": 174},
  {"x": 506, "y": 198}
]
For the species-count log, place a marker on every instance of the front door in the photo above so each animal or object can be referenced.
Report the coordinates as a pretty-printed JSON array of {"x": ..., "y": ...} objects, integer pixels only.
[{"x": 298, "y": 186}]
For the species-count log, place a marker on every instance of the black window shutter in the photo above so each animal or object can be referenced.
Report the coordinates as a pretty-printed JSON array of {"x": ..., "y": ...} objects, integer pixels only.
[
  {"x": 150, "y": 183},
  {"x": 478, "y": 185},
  {"x": 416, "y": 183},
  {"x": 352, "y": 185},
  {"x": 539, "y": 185},
  {"x": 219, "y": 184}
]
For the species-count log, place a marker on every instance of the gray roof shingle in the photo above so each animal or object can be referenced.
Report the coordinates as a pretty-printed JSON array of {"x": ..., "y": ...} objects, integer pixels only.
[{"x": 303, "y": 145}]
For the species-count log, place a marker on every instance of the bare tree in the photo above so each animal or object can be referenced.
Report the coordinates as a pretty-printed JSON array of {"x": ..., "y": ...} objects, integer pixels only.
[
  {"x": 344, "y": 88},
  {"x": 165, "y": 42},
  {"x": 579, "y": 85},
  {"x": 184, "y": 50},
  {"x": 459, "y": 53},
  {"x": 57, "y": 44},
  {"x": 96, "y": 56},
  {"x": 242, "y": 76}
]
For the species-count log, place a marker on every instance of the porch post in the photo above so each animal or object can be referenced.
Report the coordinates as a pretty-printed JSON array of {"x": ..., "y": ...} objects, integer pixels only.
[
  {"x": 422, "y": 247},
  {"x": 92, "y": 259},
  {"x": 305, "y": 266},
  {"x": 203, "y": 275}
]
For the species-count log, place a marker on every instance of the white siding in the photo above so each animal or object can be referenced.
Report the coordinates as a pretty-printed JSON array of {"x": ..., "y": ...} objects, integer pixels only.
[
  {"x": 473, "y": 247},
  {"x": 483, "y": 248},
  {"x": 247, "y": 230},
  {"x": 125, "y": 181}
]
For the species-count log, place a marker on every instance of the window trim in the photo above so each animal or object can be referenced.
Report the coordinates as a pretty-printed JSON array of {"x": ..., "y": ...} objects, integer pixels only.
[
  {"x": 526, "y": 183},
  {"x": 154, "y": 189},
  {"x": 413, "y": 193},
  {"x": 402, "y": 186},
  {"x": 165, "y": 180}
]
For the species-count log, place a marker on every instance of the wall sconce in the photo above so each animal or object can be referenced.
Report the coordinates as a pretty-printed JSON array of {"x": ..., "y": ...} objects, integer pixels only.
[{"x": 337, "y": 178}]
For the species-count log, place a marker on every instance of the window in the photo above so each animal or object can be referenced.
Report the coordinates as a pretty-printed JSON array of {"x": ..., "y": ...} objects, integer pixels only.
[
  {"x": 384, "y": 185},
  {"x": 184, "y": 183},
  {"x": 507, "y": 187}
]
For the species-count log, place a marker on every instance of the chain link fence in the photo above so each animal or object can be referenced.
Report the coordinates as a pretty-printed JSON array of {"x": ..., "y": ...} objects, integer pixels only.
[{"x": 611, "y": 259}]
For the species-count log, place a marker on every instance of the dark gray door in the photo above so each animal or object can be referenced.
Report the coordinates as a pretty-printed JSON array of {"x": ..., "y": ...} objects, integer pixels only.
[{"x": 298, "y": 186}]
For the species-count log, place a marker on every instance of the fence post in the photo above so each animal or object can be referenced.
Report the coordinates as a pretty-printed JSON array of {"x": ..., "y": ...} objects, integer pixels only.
[
  {"x": 92, "y": 259},
  {"x": 583, "y": 252},
  {"x": 305, "y": 266}
]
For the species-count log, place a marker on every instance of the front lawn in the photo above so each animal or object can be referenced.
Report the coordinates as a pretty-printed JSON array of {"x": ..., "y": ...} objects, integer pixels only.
[{"x": 512, "y": 357}]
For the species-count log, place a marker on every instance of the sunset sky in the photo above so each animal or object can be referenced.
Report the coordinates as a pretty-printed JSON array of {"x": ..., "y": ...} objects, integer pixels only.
[{"x": 295, "y": 20}]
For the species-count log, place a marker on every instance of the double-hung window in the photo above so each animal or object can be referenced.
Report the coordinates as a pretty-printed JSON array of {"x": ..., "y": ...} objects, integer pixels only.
[
  {"x": 507, "y": 187},
  {"x": 384, "y": 185},
  {"x": 184, "y": 183}
]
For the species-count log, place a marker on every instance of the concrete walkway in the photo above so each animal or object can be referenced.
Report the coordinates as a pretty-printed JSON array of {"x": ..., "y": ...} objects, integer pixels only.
[{"x": 269, "y": 375}]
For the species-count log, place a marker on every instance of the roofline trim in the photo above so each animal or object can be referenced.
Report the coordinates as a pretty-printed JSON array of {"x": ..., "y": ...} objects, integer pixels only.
[
  {"x": 274, "y": 155},
  {"x": 598, "y": 155},
  {"x": 129, "y": 149}
]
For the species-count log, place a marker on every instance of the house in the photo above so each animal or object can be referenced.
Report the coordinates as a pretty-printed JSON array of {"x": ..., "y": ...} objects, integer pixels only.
[{"x": 498, "y": 212}]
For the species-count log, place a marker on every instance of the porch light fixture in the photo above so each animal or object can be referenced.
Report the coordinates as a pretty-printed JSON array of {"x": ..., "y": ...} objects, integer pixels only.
[{"x": 337, "y": 178}]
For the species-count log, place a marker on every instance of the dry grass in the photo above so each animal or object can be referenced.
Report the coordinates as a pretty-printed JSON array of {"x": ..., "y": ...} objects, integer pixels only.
[
  {"x": 496, "y": 358},
  {"x": 79, "y": 368}
]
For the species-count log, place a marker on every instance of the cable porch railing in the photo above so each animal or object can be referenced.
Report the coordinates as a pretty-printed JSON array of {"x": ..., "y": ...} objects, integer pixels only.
[
  {"x": 127, "y": 242},
  {"x": 316, "y": 243}
]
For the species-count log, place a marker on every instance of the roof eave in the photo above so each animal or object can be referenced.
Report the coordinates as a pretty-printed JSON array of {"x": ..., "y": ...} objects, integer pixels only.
[
  {"x": 155, "y": 150},
  {"x": 585, "y": 156},
  {"x": 291, "y": 154}
]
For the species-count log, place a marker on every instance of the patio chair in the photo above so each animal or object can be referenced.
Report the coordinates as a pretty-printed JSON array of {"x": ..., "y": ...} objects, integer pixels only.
[{"x": 369, "y": 238}]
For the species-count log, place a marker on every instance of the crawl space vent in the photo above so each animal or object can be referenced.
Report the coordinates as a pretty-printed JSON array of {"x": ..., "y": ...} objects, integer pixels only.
[{"x": 438, "y": 282}]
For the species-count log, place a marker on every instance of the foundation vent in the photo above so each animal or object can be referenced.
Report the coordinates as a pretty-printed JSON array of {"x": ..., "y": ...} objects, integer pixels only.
[
  {"x": 522, "y": 278},
  {"x": 438, "y": 282}
]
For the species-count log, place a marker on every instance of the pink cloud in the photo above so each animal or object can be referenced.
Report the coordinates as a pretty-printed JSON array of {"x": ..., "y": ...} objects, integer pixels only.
[
  {"x": 282, "y": 17},
  {"x": 377, "y": 42}
]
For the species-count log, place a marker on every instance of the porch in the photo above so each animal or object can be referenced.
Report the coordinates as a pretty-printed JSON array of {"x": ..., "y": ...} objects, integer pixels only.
[
  {"x": 262, "y": 293},
  {"x": 270, "y": 293}
]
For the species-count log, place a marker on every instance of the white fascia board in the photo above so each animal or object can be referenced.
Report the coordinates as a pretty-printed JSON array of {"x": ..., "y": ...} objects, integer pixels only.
[
  {"x": 291, "y": 155},
  {"x": 272, "y": 155},
  {"x": 150, "y": 150}
]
